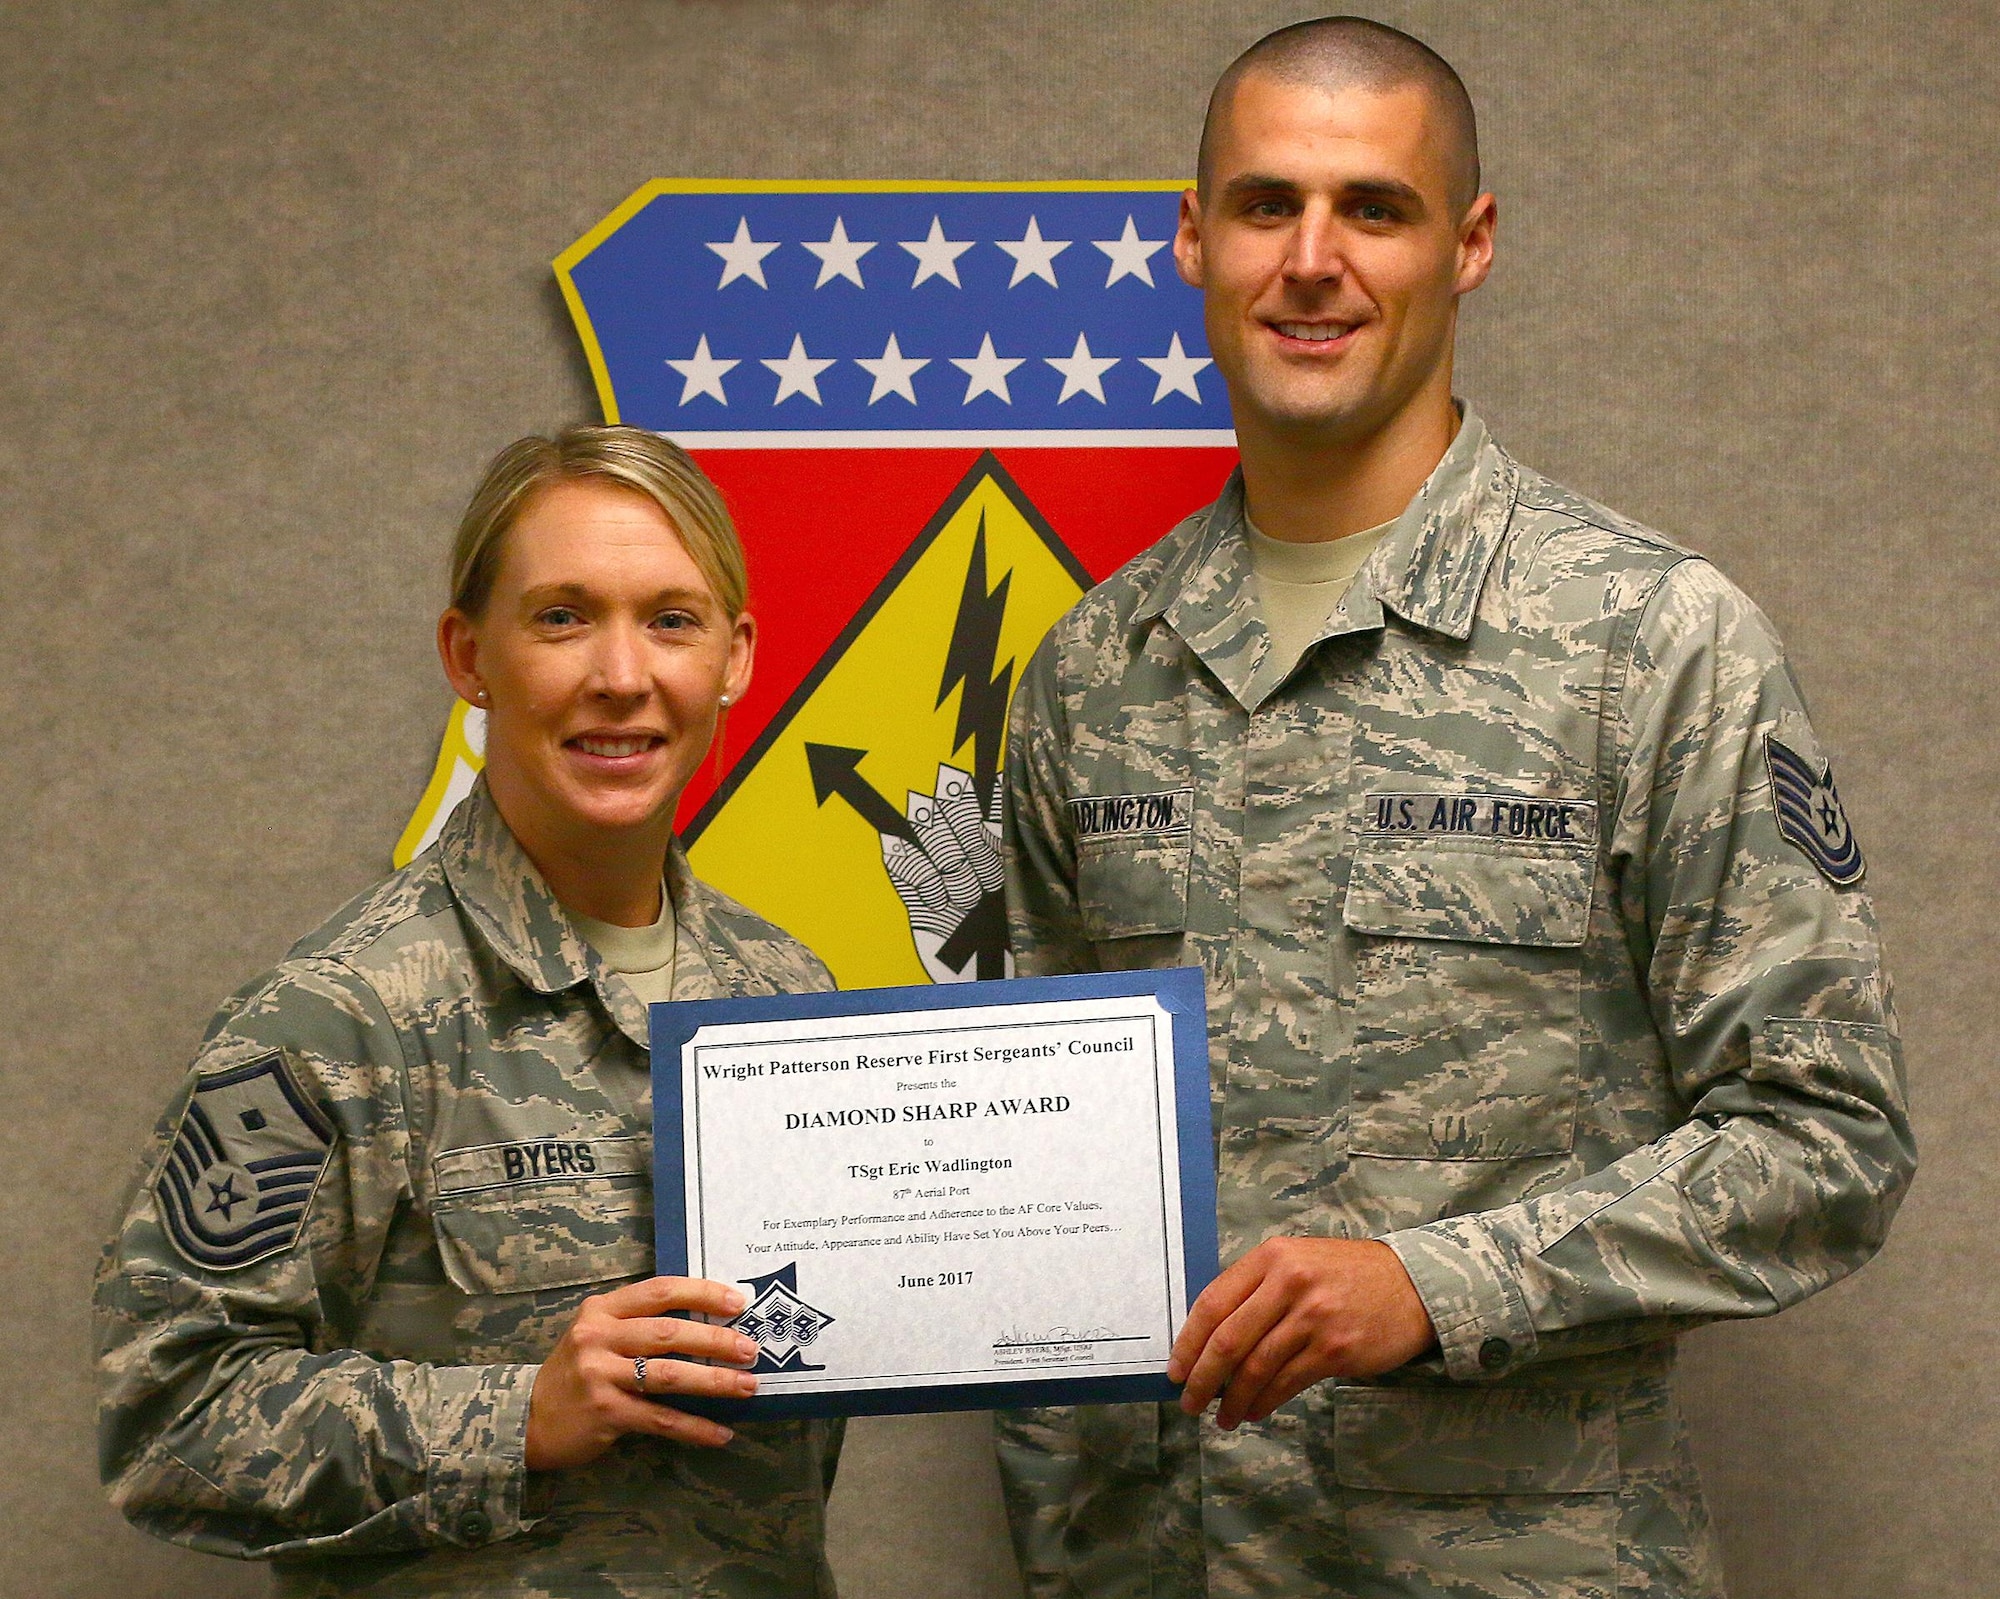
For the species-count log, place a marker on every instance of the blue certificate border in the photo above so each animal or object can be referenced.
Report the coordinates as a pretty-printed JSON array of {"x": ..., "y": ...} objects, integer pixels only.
[{"x": 1179, "y": 991}]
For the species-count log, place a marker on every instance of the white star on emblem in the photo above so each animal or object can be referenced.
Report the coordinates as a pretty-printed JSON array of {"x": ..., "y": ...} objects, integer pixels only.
[
  {"x": 892, "y": 371},
  {"x": 840, "y": 256},
  {"x": 937, "y": 256},
  {"x": 986, "y": 372},
  {"x": 1177, "y": 371},
  {"x": 1130, "y": 255},
  {"x": 703, "y": 373},
  {"x": 1034, "y": 256},
  {"x": 798, "y": 373},
  {"x": 1083, "y": 373},
  {"x": 743, "y": 257}
]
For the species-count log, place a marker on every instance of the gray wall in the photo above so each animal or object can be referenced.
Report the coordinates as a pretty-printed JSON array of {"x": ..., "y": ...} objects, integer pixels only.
[{"x": 274, "y": 283}]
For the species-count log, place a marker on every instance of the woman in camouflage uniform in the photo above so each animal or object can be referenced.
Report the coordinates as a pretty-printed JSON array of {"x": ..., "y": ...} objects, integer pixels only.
[{"x": 380, "y": 1310}]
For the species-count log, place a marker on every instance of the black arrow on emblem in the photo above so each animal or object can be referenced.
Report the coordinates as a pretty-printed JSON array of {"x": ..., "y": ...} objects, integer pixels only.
[
  {"x": 837, "y": 770},
  {"x": 983, "y": 933}
]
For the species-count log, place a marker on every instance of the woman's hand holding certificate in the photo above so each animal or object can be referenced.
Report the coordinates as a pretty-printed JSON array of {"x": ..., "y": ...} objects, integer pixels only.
[{"x": 943, "y": 1197}]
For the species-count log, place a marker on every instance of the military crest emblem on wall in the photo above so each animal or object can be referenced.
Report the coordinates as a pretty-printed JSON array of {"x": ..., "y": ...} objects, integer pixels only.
[{"x": 939, "y": 414}]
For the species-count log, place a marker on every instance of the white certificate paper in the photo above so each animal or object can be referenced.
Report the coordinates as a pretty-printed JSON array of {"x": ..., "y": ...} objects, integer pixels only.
[{"x": 944, "y": 1197}]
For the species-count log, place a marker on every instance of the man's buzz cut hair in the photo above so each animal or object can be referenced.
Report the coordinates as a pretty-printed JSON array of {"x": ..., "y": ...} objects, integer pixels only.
[{"x": 1355, "y": 52}]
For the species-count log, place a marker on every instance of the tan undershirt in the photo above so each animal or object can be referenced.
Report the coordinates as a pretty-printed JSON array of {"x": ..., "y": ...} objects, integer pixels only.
[
  {"x": 1298, "y": 585},
  {"x": 643, "y": 956}
]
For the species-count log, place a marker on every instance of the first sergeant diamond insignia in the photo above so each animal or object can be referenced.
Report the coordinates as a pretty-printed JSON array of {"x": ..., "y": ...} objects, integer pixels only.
[
  {"x": 781, "y": 1323},
  {"x": 246, "y": 1159},
  {"x": 1810, "y": 814}
]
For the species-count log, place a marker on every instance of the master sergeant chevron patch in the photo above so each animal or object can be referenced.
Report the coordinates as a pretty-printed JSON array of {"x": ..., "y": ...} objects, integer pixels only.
[{"x": 246, "y": 1158}]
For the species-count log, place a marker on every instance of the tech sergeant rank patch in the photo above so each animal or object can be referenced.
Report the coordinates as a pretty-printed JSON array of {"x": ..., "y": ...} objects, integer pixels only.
[
  {"x": 248, "y": 1153},
  {"x": 1810, "y": 814}
]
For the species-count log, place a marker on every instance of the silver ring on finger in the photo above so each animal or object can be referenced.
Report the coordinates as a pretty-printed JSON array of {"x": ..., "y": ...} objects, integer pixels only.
[{"x": 639, "y": 1371}]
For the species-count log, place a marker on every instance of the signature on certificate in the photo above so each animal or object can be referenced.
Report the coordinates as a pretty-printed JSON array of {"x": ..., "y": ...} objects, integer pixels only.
[{"x": 1014, "y": 1338}]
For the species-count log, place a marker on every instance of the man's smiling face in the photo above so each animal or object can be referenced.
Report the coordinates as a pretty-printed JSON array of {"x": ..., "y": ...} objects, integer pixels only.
[{"x": 1330, "y": 255}]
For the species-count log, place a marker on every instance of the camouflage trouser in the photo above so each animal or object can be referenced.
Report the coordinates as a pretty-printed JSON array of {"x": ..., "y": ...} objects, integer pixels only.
[
  {"x": 1103, "y": 1500},
  {"x": 1571, "y": 1488}
]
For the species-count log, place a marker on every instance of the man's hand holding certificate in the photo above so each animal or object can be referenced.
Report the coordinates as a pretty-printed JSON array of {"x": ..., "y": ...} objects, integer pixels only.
[{"x": 945, "y": 1197}]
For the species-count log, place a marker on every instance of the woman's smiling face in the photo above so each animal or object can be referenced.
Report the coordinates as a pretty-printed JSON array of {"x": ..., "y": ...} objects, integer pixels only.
[{"x": 602, "y": 657}]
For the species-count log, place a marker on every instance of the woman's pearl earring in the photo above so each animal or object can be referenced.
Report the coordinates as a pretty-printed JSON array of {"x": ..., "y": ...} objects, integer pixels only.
[{"x": 725, "y": 701}]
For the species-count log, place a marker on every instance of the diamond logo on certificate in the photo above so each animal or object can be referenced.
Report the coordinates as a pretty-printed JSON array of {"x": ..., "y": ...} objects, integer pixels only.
[
  {"x": 943, "y": 1197},
  {"x": 780, "y": 1322}
]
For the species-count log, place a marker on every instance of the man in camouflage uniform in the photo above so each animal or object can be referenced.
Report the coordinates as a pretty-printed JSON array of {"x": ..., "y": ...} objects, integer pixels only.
[
  {"x": 401, "y": 1163},
  {"x": 1547, "y": 1019}
]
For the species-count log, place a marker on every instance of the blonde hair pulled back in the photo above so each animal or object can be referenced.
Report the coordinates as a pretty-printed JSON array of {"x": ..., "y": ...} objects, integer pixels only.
[{"x": 627, "y": 457}]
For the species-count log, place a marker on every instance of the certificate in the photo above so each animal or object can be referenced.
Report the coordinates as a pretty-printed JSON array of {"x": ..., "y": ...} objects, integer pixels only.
[{"x": 946, "y": 1197}]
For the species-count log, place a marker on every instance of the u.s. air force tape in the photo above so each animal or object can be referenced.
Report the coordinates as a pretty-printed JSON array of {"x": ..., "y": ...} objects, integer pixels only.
[
  {"x": 246, "y": 1157},
  {"x": 1478, "y": 813},
  {"x": 1170, "y": 810}
]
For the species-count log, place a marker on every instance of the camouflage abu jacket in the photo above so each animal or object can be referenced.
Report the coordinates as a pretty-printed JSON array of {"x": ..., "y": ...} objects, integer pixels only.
[
  {"x": 403, "y": 1158},
  {"x": 1533, "y": 947}
]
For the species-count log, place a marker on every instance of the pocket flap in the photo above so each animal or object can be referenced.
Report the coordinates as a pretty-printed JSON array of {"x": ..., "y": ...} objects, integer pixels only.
[
  {"x": 1476, "y": 1440},
  {"x": 1481, "y": 894},
  {"x": 556, "y": 1235},
  {"x": 1129, "y": 888}
]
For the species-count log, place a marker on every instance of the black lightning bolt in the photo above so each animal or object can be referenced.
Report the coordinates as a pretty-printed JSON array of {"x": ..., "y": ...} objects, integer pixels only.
[
  {"x": 982, "y": 717},
  {"x": 969, "y": 667}
]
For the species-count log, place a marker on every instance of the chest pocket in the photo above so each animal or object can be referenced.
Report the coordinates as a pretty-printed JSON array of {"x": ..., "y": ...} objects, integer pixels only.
[
  {"x": 1133, "y": 852},
  {"x": 538, "y": 1214},
  {"x": 1132, "y": 888},
  {"x": 1467, "y": 997}
]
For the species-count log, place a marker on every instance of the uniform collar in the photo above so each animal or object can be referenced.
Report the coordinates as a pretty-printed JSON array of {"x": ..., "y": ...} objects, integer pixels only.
[
  {"x": 1205, "y": 594},
  {"x": 1428, "y": 569},
  {"x": 524, "y": 924},
  {"x": 506, "y": 899}
]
